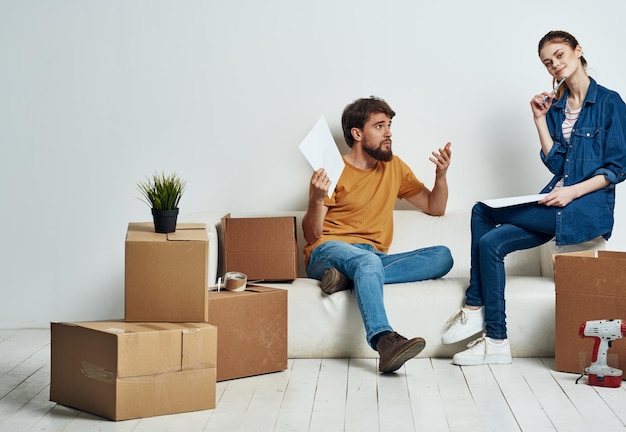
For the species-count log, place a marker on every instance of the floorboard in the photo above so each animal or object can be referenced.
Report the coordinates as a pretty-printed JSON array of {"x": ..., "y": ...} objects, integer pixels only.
[
  {"x": 489, "y": 400},
  {"x": 456, "y": 398},
  {"x": 329, "y": 405},
  {"x": 334, "y": 395},
  {"x": 426, "y": 406},
  {"x": 362, "y": 396},
  {"x": 521, "y": 401}
]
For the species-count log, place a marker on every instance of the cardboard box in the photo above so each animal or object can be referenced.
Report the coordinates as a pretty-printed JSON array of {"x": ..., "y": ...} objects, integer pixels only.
[
  {"x": 166, "y": 274},
  {"x": 252, "y": 331},
  {"x": 122, "y": 370},
  {"x": 261, "y": 248},
  {"x": 588, "y": 287}
]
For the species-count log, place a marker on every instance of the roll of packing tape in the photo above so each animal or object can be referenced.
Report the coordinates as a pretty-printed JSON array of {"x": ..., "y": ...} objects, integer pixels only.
[{"x": 235, "y": 281}]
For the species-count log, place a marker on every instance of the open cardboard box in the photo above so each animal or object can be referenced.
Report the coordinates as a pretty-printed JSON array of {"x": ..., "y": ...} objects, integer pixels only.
[
  {"x": 589, "y": 287},
  {"x": 262, "y": 248}
]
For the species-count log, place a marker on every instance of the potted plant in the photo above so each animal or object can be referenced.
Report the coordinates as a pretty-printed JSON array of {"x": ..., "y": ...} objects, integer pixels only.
[{"x": 162, "y": 193}]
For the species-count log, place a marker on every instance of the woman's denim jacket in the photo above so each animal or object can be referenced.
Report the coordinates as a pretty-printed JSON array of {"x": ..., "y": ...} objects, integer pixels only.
[{"x": 597, "y": 146}]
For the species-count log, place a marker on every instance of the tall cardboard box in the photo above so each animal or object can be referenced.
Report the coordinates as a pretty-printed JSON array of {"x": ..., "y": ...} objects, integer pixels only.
[
  {"x": 261, "y": 248},
  {"x": 166, "y": 275},
  {"x": 588, "y": 287},
  {"x": 121, "y": 370},
  {"x": 252, "y": 331}
]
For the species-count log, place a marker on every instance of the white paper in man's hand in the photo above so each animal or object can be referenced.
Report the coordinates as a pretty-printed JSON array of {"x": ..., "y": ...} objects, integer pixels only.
[{"x": 320, "y": 150}]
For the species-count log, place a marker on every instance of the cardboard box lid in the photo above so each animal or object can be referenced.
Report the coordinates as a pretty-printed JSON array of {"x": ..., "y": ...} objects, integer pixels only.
[
  {"x": 602, "y": 273},
  {"x": 144, "y": 232},
  {"x": 137, "y": 349},
  {"x": 251, "y": 290},
  {"x": 270, "y": 234}
]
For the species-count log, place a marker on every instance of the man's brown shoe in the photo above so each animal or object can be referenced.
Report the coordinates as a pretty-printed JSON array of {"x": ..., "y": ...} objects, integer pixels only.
[
  {"x": 333, "y": 281},
  {"x": 395, "y": 350}
]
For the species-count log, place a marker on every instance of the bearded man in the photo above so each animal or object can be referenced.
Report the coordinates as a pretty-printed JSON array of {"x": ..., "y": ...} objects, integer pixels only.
[{"x": 348, "y": 235}]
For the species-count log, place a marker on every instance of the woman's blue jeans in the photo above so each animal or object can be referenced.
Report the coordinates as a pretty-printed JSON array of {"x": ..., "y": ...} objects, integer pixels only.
[
  {"x": 370, "y": 269},
  {"x": 496, "y": 233}
]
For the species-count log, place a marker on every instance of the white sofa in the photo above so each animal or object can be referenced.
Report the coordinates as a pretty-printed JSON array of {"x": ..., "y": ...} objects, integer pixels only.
[{"x": 322, "y": 326}]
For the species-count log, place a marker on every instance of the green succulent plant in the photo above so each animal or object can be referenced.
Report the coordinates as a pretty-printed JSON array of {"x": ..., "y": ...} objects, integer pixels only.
[{"x": 162, "y": 192}]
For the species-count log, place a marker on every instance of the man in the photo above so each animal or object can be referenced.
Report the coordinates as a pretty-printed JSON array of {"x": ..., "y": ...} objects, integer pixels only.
[{"x": 349, "y": 234}]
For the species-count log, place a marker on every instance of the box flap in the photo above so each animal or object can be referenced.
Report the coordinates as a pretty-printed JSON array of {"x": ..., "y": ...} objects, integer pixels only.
[
  {"x": 250, "y": 290},
  {"x": 585, "y": 274},
  {"x": 190, "y": 232},
  {"x": 585, "y": 253},
  {"x": 144, "y": 232},
  {"x": 611, "y": 254}
]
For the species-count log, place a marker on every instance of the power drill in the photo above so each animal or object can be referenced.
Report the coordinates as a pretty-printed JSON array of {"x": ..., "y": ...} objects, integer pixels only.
[{"x": 604, "y": 332}]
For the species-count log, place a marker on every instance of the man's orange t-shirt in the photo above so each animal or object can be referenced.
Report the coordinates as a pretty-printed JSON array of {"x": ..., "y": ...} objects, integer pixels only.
[{"x": 361, "y": 207}]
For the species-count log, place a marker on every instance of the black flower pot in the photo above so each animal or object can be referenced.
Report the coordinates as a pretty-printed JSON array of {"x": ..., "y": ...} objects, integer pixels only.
[{"x": 164, "y": 220}]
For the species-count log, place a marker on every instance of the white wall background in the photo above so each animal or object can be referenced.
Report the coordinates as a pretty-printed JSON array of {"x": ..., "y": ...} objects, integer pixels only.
[{"x": 95, "y": 95}]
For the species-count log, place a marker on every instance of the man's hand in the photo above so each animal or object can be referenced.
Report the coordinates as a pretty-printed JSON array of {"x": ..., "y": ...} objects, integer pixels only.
[
  {"x": 313, "y": 220},
  {"x": 319, "y": 185},
  {"x": 442, "y": 160}
]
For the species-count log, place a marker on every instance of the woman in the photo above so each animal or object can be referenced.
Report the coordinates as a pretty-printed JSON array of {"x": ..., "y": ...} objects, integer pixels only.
[{"x": 582, "y": 131}]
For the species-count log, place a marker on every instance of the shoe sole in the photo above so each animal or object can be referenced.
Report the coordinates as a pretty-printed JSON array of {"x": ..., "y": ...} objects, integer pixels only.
[
  {"x": 396, "y": 362},
  {"x": 340, "y": 285},
  {"x": 447, "y": 341}
]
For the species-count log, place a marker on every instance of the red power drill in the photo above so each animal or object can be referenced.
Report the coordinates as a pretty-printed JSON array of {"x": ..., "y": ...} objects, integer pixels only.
[{"x": 604, "y": 332}]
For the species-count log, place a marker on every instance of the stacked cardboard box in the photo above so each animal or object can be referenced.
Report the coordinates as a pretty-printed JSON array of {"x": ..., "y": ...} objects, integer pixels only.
[
  {"x": 124, "y": 370},
  {"x": 166, "y": 274},
  {"x": 162, "y": 359},
  {"x": 177, "y": 340},
  {"x": 252, "y": 331}
]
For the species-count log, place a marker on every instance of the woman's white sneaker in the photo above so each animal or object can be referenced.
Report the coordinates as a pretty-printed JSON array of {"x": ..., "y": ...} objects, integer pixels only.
[
  {"x": 465, "y": 323},
  {"x": 484, "y": 351}
]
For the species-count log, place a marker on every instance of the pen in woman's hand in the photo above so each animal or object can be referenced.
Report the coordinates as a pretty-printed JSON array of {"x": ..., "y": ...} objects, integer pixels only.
[{"x": 554, "y": 89}]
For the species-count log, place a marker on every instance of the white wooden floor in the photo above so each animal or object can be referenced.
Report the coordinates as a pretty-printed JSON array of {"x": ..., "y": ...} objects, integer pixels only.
[{"x": 335, "y": 395}]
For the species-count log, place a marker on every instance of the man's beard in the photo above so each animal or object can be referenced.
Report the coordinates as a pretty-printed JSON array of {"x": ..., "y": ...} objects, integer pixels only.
[{"x": 379, "y": 154}]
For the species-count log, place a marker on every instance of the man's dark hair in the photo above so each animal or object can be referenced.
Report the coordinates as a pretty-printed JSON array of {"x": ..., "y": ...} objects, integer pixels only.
[{"x": 358, "y": 112}]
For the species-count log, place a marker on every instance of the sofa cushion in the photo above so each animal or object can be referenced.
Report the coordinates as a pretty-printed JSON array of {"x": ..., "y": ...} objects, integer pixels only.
[{"x": 323, "y": 326}]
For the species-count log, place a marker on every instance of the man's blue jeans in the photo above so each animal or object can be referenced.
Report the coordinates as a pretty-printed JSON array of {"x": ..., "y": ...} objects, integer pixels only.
[
  {"x": 496, "y": 233},
  {"x": 370, "y": 269}
]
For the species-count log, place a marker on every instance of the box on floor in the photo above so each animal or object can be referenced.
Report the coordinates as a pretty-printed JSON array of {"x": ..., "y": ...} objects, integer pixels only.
[
  {"x": 252, "y": 331},
  {"x": 121, "y": 370},
  {"x": 261, "y": 248},
  {"x": 166, "y": 275},
  {"x": 588, "y": 288}
]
